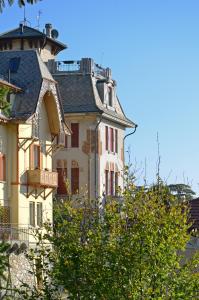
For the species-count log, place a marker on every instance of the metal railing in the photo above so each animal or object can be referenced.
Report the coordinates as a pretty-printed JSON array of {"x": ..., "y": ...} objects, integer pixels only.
[
  {"x": 99, "y": 70},
  {"x": 68, "y": 66},
  {"x": 12, "y": 232}
]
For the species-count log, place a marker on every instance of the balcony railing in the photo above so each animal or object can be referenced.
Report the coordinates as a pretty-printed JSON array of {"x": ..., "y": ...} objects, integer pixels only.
[
  {"x": 42, "y": 178},
  {"x": 12, "y": 232},
  {"x": 68, "y": 66}
]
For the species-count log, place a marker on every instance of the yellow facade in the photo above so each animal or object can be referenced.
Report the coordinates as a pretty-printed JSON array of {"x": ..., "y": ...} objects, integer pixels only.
[{"x": 26, "y": 191}]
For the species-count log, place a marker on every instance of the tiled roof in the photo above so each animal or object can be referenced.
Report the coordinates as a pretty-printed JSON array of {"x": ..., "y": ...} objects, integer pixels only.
[
  {"x": 76, "y": 92},
  {"x": 194, "y": 213},
  {"x": 80, "y": 95},
  {"x": 29, "y": 76},
  {"x": 16, "y": 33},
  {"x": 28, "y": 32}
]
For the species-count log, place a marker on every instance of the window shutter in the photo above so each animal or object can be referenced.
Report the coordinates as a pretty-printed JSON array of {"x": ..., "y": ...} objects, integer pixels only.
[
  {"x": 66, "y": 141},
  {"x": 2, "y": 167},
  {"x": 74, "y": 181},
  {"x": 112, "y": 183},
  {"x": 39, "y": 214},
  {"x": 111, "y": 140},
  {"x": 75, "y": 135},
  {"x": 116, "y": 183},
  {"x": 62, "y": 176},
  {"x": 106, "y": 182},
  {"x": 32, "y": 213},
  {"x": 106, "y": 137},
  {"x": 116, "y": 141}
]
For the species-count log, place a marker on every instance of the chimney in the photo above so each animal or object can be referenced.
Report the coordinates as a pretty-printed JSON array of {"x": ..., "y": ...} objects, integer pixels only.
[
  {"x": 48, "y": 29},
  {"x": 87, "y": 65}
]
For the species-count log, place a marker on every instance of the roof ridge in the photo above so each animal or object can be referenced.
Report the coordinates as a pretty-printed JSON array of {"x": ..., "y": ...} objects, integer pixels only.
[{"x": 17, "y": 28}]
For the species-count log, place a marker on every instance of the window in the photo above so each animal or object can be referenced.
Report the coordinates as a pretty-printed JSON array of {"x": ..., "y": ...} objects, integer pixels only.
[
  {"x": 35, "y": 158},
  {"x": 2, "y": 167},
  {"x": 112, "y": 183},
  {"x": 111, "y": 140},
  {"x": 32, "y": 213},
  {"x": 75, "y": 135},
  {"x": 116, "y": 141},
  {"x": 106, "y": 137},
  {"x": 39, "y": 214},
  {"x": 74, "y": 180},
  {"x": 110, "y": 96},
  {"x": 14, "y": 64},
  {"x": 62, "y": 176},
  {"x": 106, "y": 182}
]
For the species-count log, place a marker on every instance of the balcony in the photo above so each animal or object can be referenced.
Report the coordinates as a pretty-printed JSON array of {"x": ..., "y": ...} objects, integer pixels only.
[
  {"x": 13, "y": 233},
  {"x": 42, "y": 178}
]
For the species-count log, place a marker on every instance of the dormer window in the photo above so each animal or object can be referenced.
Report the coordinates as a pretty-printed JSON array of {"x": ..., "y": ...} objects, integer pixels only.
[{"x": 110, "y": 96}]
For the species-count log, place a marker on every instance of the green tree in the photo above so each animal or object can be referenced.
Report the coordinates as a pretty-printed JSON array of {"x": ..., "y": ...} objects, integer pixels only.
[
  {"x": 4, "y": 104},
  {"x": 132, "y": 250},
  {"x": 182, "y": 191},
  {"x": 20, "y": 3}
]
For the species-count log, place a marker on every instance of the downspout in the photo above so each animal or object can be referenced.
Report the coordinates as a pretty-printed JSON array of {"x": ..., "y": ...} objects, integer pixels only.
[
  {"x": 127, "y": 135},
  {"x": 96, "y": 147}
]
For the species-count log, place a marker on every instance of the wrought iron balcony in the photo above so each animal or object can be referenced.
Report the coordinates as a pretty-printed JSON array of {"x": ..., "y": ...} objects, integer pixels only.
[
  {"x": 42, "y": 178},
  {"x": 12, "y": 232}
]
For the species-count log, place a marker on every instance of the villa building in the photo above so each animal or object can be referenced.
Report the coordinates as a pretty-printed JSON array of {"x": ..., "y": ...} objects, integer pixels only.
[
  {"x": 93, "y": 157},
  {"x": 34, "y": 130}
]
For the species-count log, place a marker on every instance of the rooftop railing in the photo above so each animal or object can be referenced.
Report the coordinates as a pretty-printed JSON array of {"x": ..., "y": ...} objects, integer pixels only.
[{"x": 68, "y": 65}]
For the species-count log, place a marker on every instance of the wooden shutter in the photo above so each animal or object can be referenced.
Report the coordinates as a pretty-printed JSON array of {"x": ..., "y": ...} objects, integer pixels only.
[
  {"x": 112, "y": 183},
  {"x": 66, "y": 141},
  {"x": 106, "y": 137},
  {"x": 39, "y": 214},
  {"x": 5, "y": 214},
  {"x": 32, "y": 213},
  {"x": 116, "y": 141},
  {"x": 111, "y": 140},
  {"x": 116, "y": 183},
  {"x": 62, "y": 176},
  {"x": 74, "y": 181},
  {"x": 75, "y": 135},
  {"x": 2, "y": 167},
  {"x": 106, "y": 182}
]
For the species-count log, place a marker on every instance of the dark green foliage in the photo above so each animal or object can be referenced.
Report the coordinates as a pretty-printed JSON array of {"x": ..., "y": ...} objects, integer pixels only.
[
  {"x": 181, "y": 191},
  {"x": 4, "y": 104},
  {"x": 128, "y": 251},
  {"x": 20, "y": 3}
]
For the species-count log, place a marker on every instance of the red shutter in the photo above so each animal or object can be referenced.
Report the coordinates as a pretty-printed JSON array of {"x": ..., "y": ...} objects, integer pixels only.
[
  {"x": 62, "y": 176},
  {"x": 66, "y": 141},
  {"x": 1, "y": 167},
  {"x": 116, "y": 183},
  {"x": 112, "y": 183},
  {"x": 111, "y": 140},
  {"x": 74, "y": 181},
  {"x": 106, "y": 137},
  {"x": 116, "y": 141},
  {"x": 106, "y": 182},
  {"x": 75, "y": 135}
]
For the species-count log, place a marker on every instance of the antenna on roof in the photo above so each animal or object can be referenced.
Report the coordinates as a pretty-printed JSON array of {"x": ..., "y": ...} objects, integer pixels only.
[
  {"x": 38, "y": 19},
  {"x": 25, "y": 22}
]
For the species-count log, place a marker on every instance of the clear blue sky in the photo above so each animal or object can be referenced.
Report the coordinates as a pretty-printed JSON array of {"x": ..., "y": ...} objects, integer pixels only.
[{"x": 152, "y": 48}]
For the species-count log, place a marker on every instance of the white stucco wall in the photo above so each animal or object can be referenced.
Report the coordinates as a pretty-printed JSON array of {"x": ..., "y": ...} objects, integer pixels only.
[{"x": 86, "y": 161}]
